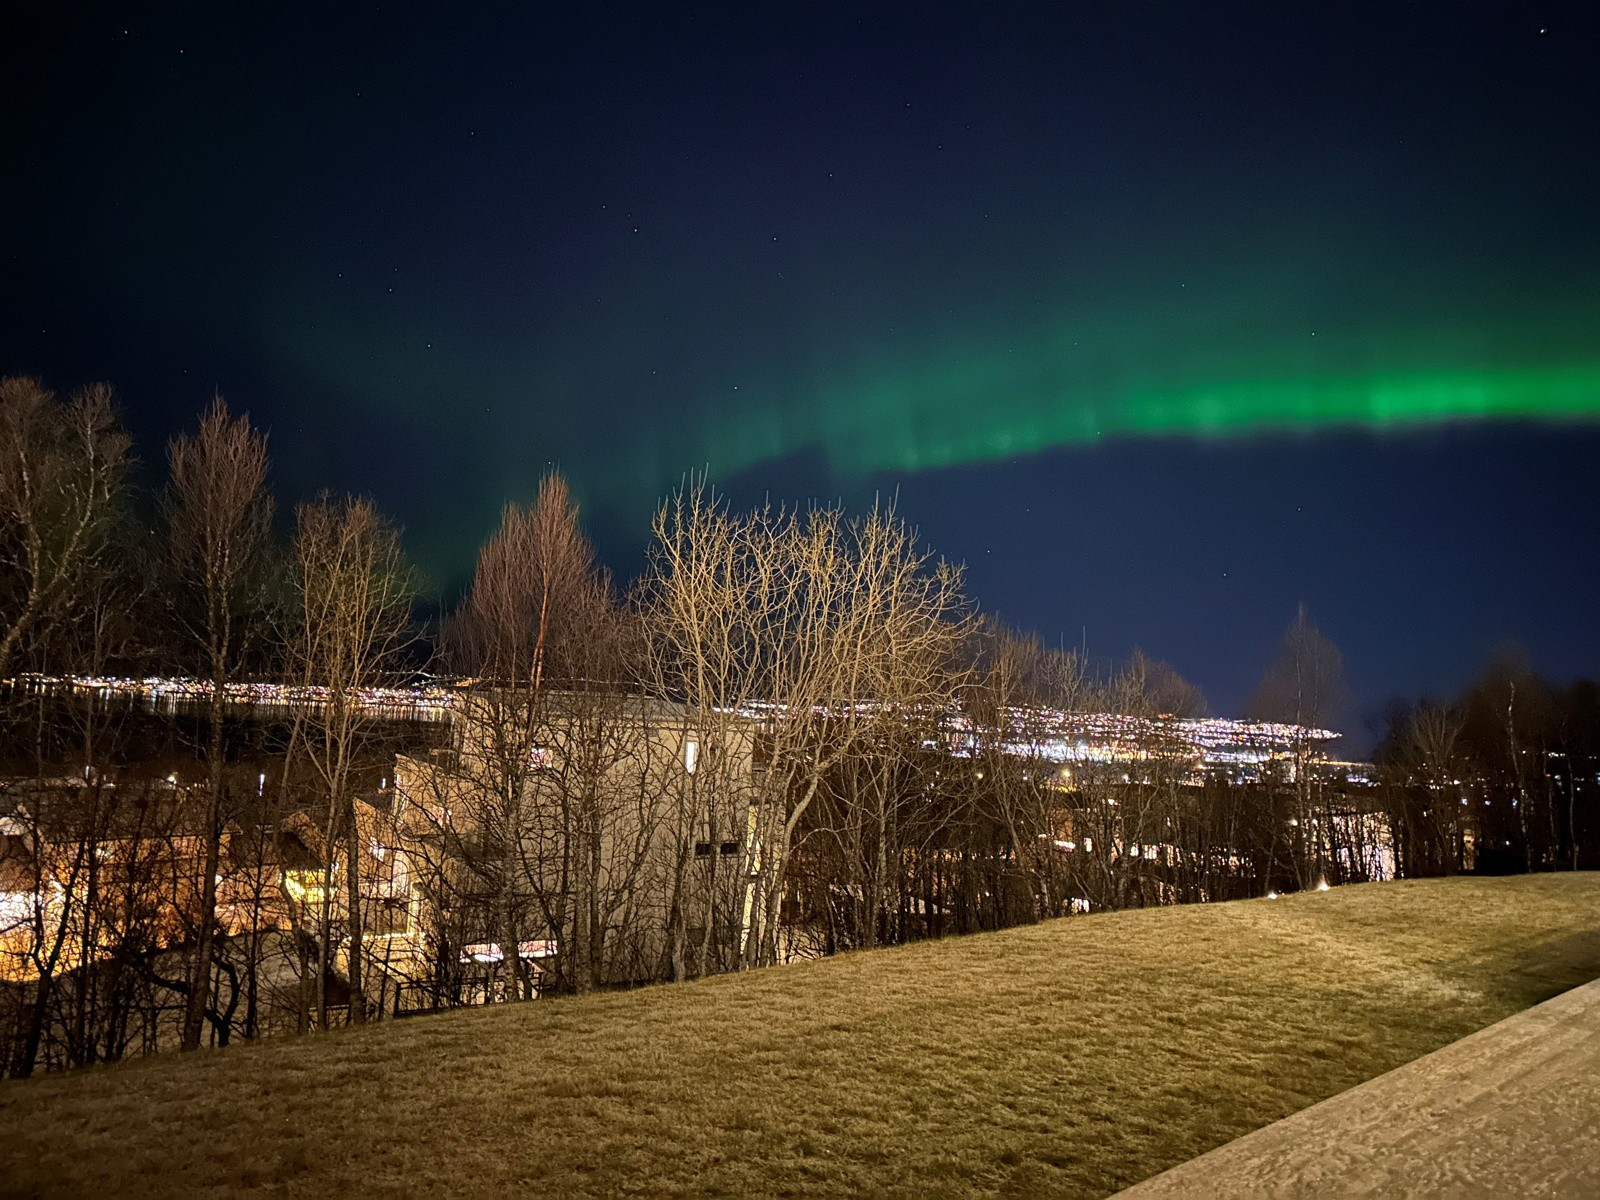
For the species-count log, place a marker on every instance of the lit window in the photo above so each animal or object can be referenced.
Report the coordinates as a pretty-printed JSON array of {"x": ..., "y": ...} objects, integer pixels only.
[{"x": 691, "y": 755}]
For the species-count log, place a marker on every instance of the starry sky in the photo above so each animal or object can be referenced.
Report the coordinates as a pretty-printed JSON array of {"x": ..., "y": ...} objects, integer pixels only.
[{"x": 1162, "y": 318}]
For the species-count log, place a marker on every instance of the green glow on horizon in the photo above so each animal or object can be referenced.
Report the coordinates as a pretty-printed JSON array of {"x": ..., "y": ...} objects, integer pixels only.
[
  {"x": 947, "y": 392},
  {"x": 962, "y": 416}
]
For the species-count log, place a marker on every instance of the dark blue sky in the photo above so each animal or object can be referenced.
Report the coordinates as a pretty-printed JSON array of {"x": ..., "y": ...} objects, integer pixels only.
[{"x": 1162, "y": 318}]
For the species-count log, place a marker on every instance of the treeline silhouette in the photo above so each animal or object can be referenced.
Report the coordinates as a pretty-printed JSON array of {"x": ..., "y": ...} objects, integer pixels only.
[{"x": 793, "y": 734}]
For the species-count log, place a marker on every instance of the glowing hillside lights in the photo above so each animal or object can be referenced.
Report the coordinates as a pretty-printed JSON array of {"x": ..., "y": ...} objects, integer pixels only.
[
  {"x": 1068, "y": 738},
  {"x": 1272, "y": 895},
  {"x": 417, "y": 702},
  {"x": 1322, "y": 886}
]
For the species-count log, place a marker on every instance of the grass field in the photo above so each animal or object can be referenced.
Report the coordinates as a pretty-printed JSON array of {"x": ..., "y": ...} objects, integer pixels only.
[{"x": 1069, "y": 1058}]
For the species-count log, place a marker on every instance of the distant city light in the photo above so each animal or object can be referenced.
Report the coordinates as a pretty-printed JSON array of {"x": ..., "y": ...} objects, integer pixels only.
[{"x": 421, "y": 703}]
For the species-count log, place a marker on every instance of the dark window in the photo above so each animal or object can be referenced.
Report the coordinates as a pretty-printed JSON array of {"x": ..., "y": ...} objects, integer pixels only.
[
  {"x": 762, "y": 751},
  {"x": 729, "y": 849},
  {"x": 702, "y": 849}
]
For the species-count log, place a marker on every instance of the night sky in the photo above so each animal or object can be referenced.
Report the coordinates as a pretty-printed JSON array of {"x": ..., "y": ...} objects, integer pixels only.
[{"x": 1161, "y": 317}]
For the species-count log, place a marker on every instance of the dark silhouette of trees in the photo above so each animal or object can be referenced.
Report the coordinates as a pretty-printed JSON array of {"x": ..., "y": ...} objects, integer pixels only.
[
  {"x": 791, "y": 736},
  {"x": 524, "y": 805},
  {"x": 219, "y": 523},
  {"x": 1504, "y": 778},
  {"x": 1305, "y": 688},
  {"x": 62, "y": 468},
  {"x": 353, "y": 592}
]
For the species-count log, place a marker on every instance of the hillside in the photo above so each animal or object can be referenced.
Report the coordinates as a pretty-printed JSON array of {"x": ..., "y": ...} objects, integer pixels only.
[{"x": 1071, "y": 1058}]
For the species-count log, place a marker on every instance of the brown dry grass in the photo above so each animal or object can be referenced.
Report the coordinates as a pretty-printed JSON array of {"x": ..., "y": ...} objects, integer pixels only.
[{"x": 1069, "y": 1058}]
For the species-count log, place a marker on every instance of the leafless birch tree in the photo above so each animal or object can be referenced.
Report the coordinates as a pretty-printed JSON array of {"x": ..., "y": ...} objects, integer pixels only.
[
  {"x": 62, "y": 468},
  {"x": 1304, "y": 687},
  {"x": 354, "y": 595},
  {"x": 821, "y": 627},
  {"x": 219, "y": 520}
]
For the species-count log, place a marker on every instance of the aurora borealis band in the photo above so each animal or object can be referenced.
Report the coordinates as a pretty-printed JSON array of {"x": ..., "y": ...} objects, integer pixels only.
[
  {"x": 965, "y": 418},
  {"x": 1162, "y": 318}
]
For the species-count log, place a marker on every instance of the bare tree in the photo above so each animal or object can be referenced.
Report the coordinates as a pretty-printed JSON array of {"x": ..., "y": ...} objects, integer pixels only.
[
  {"x": 219, "y": 516},
  {"x": 821, "y": 626},
  {"x": 1305, "y": 687},
  {"x": 517, "y": 811},
  {"x": 354, "y": 592},
  {"x": 1161, "y": 690},
  {"x": 994, "y": 781},
  {"x": 1509, "y": 717},
  {"x": 535, "y": 589},
  {"x": 61, "y": 474},
  {"x": 1434, "y": 746},
  {"x": 711, "y": 586}
]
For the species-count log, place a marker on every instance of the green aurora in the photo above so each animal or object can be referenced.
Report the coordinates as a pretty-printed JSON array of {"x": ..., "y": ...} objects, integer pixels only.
[
  {"x": 1143, "y": 367},
  {"x": 977, "y": 413},
  {"x": 956, "y": 425},
  {"x": 951, "y": 390}
]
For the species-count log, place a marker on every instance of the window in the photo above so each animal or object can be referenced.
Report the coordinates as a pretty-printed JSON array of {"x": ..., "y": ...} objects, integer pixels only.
[
  {"x": 729, "y": 849},
  {"x": 691, "y": 755},
  {"x": 763, "y": 751},
  {"x": 702, "y": 849}
]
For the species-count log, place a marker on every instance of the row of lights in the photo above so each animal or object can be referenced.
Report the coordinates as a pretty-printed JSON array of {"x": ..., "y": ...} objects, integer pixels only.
[{"x": 1322, "y": 886}]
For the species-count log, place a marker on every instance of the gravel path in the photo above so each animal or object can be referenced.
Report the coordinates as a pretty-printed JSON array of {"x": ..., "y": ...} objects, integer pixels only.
[{"x": 1512, "y": 1110}]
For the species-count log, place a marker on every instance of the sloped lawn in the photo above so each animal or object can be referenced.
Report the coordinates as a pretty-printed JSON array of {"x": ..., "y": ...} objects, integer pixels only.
[{"x": 1070, "y": 1058}]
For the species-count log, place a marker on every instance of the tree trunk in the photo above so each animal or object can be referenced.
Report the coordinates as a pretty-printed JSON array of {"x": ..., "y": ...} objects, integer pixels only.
[
  {"x": 358, "y": 998},
  {"x": 200, "y": 973}
]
